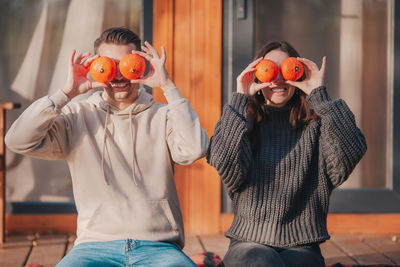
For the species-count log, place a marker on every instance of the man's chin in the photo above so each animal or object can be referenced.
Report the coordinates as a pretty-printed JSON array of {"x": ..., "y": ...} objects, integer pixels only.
[{"x": 122, "y": 95}]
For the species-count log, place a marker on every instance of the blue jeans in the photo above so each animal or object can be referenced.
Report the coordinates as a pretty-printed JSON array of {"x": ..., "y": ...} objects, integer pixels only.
[{"x": 126, "y": 252}]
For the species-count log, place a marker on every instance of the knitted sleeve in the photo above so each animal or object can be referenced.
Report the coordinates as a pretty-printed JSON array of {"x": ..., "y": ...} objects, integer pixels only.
[
  {"x": 230, "y": 149},
  {"x": 342, "y": 143}
]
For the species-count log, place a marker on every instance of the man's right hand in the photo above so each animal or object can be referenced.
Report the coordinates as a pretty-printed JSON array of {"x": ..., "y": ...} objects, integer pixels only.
[{"x": 77, "y": 82}]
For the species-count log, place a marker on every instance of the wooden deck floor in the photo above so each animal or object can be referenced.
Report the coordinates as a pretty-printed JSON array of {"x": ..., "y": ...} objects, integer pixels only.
[{"x": 47, "y": 250}]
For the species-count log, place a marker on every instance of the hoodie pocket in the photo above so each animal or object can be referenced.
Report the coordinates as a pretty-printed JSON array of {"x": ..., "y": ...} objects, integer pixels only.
[
  {"x": 135, "y": 217},
  {"x": 162, "y": 216}
]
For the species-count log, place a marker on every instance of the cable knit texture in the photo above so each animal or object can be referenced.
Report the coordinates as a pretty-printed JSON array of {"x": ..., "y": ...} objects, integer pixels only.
[{"x": 281, "y": 192}]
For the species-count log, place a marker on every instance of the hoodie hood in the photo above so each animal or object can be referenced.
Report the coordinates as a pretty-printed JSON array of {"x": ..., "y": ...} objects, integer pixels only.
[{"x": 142, "y": 102}]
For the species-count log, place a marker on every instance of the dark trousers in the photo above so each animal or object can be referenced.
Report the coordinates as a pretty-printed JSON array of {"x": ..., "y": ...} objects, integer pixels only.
[{"x": 250, "y": 254}]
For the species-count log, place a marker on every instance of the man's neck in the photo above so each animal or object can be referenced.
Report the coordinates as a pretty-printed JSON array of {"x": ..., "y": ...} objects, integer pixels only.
[{"x": 120, "y": 105}]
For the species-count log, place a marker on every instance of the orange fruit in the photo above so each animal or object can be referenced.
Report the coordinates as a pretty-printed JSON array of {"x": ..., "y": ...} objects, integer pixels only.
[
  {"x": 292, "y": 69},
  {"x": 103, "y": 69},
  {"x": 132, "y": 66},
  {"x": 266, "y": 70}
]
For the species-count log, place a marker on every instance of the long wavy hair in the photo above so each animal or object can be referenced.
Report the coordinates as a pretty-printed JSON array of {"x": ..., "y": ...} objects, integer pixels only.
[{"x": 301, "y": 113}]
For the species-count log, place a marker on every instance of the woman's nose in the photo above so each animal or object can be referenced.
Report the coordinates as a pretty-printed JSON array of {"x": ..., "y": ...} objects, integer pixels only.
[{"x": 279, "y": 78}]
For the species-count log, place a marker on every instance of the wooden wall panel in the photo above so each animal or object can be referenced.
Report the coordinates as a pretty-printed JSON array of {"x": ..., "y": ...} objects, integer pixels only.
[
  {"x": 41, "y": 223},
  {"x": 364, "y": 223},
  {"x": 195, "y": 32},
  {"x": 163, "y": 21}
]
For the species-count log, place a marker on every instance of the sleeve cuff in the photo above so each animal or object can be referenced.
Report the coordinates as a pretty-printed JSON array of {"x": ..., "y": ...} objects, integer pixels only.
[
  {"x": 59, "y": 99},
  {"x": 318, "y": 96},
  {"x": 172, "y": 94},
  {"x": 240, "y": 102}
]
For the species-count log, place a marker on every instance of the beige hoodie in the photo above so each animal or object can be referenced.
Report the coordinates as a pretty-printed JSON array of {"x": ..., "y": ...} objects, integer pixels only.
[{"x": 121, "y": 162}]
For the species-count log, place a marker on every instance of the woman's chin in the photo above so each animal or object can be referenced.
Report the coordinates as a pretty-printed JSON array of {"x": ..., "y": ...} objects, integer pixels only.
[{"x": 278, "y": 101}]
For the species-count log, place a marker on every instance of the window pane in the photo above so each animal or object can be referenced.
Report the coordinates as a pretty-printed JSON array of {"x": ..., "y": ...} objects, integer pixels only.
[
  {"x": 355, "y": 37},
  {"x": 37, "y": 40}
]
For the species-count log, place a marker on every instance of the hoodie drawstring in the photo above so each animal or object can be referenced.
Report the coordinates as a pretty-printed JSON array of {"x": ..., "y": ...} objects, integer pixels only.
[
  {"x": 104, "y": 145},
  {"x": 133, "y": 149}
]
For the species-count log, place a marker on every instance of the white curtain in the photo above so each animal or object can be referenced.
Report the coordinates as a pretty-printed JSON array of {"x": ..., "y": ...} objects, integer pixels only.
[
  {"x": 83, "y": 25},
  {"x": 25, "y": 81}
]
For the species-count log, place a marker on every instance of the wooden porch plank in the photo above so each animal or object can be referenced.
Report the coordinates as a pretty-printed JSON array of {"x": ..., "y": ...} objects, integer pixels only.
[
  {"x": 192, "y": 245},
  {"x": 216, "y": 243},
  {"x": 354, "y": 246},
  {"x": 48, "y": 250},
  {"x": 15, "y": 251},
  {"x": 344, "y": 249},
  {"x": 387, "y": 245},
  {"x": 333, "y": 254}
]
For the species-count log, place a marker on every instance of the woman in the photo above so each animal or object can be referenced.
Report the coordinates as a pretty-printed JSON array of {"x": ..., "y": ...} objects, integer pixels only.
[{"x": 280, "y": 149}]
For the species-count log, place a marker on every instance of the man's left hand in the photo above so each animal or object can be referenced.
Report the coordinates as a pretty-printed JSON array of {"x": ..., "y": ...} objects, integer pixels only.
[{"x": 158, "y": 76}]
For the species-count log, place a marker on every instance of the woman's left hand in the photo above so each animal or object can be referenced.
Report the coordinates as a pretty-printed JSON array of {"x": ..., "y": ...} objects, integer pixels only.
[{"x": 314, "y": 76}]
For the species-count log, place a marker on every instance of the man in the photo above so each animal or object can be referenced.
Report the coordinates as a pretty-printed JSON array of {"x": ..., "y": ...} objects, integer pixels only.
[{"x": 120, "y": 146}]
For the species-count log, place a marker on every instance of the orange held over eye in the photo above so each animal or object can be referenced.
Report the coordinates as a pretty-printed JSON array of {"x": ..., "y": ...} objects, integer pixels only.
[
  {"x": 132, "y": 66},
  {"x": 103, "y": 69},
  {"x": 266, "y": 70},
  {"x": 292, "y": 69}
]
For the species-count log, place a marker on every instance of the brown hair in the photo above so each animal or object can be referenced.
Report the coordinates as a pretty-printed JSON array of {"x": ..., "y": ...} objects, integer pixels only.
[
  {"x": 301, "y": 113},
  {"x": 118, "y": 35}
]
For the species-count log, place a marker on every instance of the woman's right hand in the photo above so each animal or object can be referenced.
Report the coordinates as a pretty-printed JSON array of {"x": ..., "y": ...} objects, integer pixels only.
[
  {"x": 77, "y": 82},
  {"x": 245, "y": 80}
]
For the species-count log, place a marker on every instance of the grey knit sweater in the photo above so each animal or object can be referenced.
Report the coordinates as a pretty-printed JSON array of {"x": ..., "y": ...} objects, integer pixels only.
[{"x": 281, "y": 192}]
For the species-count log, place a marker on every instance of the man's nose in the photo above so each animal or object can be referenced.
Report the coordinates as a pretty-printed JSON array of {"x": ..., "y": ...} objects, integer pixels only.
[{"x": 118, "y": 74}]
